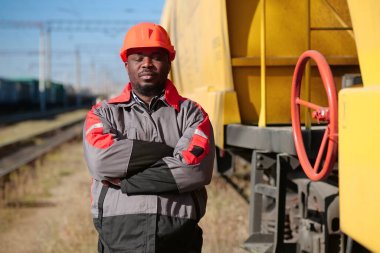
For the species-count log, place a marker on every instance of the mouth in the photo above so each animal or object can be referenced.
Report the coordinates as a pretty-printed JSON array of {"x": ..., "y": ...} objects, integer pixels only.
[{"x": 147, "y": 75}]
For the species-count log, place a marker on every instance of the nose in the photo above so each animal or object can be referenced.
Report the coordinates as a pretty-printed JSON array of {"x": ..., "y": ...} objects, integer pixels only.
[{"x": 147, "y": 62}]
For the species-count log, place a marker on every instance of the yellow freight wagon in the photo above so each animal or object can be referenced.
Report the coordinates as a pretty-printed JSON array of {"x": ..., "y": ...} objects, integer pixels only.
[{"x": 237, "y": 59}]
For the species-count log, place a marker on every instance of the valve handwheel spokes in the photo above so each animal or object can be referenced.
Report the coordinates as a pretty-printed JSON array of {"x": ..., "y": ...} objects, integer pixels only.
[{"x": 326, "y": 114}]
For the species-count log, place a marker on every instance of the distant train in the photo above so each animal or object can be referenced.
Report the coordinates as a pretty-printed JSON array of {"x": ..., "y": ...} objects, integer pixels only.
[{"x": 20, "y": 95}]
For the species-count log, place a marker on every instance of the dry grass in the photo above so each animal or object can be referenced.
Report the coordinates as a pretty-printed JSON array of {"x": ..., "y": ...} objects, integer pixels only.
[
  {"x": 49, "y": 210},
  {"x": 225, "y": 225},
  {"x": 25, "y": 129}
]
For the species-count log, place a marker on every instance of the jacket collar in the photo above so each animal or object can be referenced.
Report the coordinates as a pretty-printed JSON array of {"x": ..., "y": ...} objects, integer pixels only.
[{"x": 172, "y": 96}]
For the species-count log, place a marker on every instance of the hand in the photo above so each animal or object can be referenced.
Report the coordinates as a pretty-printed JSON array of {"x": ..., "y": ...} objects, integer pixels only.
[{"x": 112, "y": 181}]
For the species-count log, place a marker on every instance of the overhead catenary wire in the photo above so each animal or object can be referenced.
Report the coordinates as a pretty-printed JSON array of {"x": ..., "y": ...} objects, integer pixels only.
[
  {"x": 68, "y": 25},
  {"x": 45, "y": 53}
]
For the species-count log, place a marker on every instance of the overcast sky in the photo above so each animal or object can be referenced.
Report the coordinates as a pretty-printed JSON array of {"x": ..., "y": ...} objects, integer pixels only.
[{"x": 98, "y": 43}]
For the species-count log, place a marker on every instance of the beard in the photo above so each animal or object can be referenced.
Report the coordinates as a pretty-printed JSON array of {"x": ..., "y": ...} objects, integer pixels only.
[{"x": 149, "y": 89}]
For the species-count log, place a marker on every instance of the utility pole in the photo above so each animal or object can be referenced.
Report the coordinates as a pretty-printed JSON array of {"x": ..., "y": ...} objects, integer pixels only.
[
  {"x": 46, "y": 27},
  {"x": 78, "y": 77},
  {"x": 48, "y": 57},
  {"x": 41, "y": 85}
]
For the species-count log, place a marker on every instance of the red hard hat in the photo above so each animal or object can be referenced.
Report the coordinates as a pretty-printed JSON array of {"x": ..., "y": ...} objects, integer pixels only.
[{"x": 146, "y": 35}]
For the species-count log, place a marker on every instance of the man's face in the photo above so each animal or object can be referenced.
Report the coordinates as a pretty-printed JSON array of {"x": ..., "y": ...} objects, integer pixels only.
[{"x": 148, "y": 69}]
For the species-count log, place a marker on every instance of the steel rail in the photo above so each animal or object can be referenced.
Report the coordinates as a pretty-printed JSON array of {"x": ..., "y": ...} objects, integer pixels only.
[
  {"x": 19, "y": 117},
  {"x": 23, "y": 154},
  {"x": 235, "y": 184}
]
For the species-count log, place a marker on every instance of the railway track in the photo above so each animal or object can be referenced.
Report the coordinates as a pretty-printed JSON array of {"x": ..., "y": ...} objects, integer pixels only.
[
  {"x": 239, "y": 184},
  {"x": 238, "y": 177},
  {"x": 28, "y": 146},
  {"x": 13, "y": 118}
]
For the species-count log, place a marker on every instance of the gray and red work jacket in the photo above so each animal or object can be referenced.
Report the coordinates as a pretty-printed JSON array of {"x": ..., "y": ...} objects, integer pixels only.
[{"x": 163, "y": 153}]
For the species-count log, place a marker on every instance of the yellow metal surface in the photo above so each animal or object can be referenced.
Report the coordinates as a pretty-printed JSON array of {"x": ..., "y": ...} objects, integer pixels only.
[
  {"x": 366, "y": 22},
  {"x": 359, "y": 164},
  {"x": 291, "y": 27},
  {"x": 202, "y": 68},
  {"x": 263, "y": 113},
  {"x": 307, "y": 113},
  {"x": 359, "y": 135},
  {"x": 221, "y": 48},
  {"x": 198, "y": 30}
]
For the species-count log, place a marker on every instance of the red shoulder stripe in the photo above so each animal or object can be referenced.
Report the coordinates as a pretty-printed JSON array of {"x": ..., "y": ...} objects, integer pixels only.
[{"x": 94, "y": 131}]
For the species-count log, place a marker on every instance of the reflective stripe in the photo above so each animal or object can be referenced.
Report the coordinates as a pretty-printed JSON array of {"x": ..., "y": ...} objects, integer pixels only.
[
  {"x": 103, "y": 247},
  {"x": 97, "y": 125},
  {"x": 200, "y": 133}
]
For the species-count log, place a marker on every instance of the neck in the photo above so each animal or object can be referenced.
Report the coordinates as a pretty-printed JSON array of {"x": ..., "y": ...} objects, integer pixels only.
[
  {"x": 144, "y": 98},
  {"x": 147, "y": 92}
]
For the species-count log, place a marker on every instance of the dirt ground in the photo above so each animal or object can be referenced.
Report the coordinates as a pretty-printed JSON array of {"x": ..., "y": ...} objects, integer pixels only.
[
  {"x": 50, "y": 213},
  {"x": 53, "y": 214}
]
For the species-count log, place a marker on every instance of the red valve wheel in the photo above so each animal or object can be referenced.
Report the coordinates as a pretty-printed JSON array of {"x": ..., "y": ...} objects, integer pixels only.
[{"x": 327, "y": 114}]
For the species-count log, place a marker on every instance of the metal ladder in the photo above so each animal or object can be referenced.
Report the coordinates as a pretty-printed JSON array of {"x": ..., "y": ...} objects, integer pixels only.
[{"x": 259, "y": 241}]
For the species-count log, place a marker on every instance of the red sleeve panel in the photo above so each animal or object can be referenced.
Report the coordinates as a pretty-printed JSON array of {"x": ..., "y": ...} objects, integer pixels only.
[
  {"x": 94, "y": 131},
  {"x": 199, "y": 145},
  {"x": 105, "y": 156}
]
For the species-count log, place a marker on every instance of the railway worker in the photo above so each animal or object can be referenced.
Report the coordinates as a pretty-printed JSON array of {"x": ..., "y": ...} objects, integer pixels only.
[{"x": 150, "y": 153}]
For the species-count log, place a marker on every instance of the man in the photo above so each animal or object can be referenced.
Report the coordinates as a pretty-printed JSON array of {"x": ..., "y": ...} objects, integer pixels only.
[{"x": 150, "y": 153}]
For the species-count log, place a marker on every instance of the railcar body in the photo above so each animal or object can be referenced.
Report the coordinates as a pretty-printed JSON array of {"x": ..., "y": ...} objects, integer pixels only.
[
  {"x": 8, "y": 94},
  {"x": 237, "y": 59},
  {"x": 23, "y": 95}
]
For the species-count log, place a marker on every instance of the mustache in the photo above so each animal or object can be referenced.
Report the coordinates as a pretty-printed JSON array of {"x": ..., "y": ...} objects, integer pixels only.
[{"x": 147, "y": 72}]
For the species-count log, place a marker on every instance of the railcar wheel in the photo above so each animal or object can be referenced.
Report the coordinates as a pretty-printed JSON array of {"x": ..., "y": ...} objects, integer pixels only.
[{"x": 326, "y": 114}]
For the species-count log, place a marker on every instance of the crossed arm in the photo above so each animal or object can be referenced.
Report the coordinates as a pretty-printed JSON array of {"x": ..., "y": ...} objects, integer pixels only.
[{"x": 141, "y": 167}]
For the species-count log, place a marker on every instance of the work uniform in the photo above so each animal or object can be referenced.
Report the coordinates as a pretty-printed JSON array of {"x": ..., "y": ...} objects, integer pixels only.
[{"x": 164, "y": 153}]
